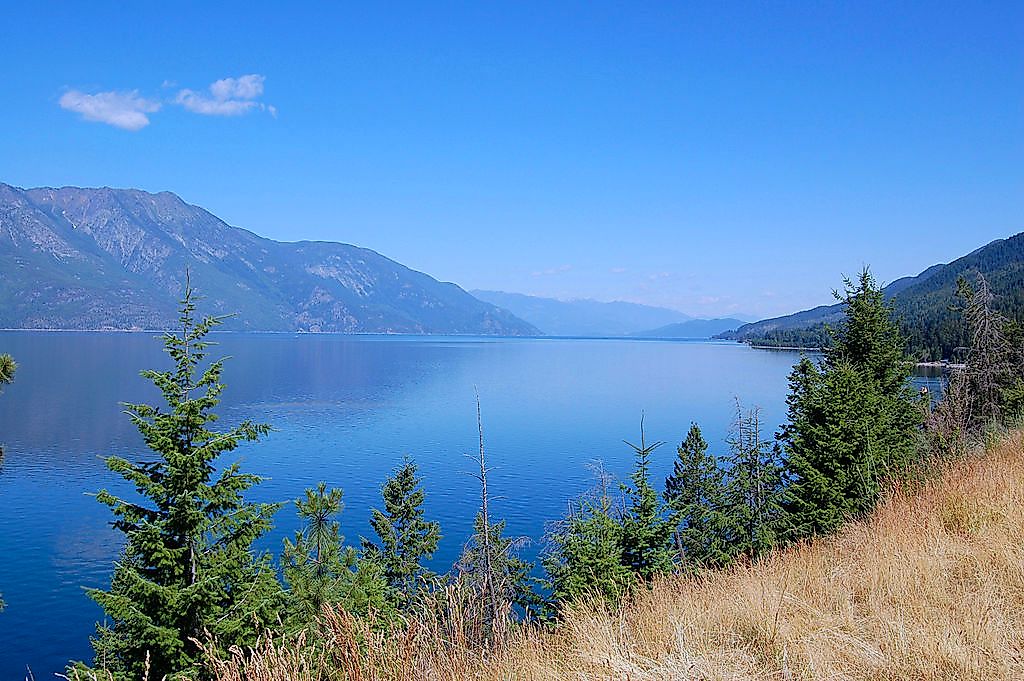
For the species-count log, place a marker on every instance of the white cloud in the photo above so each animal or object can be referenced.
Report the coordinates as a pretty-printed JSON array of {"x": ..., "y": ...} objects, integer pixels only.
[
  {"x": 125, "y": 110},
  {"x": 227, "y": 97},
  {"x": 245, "y": 87}
]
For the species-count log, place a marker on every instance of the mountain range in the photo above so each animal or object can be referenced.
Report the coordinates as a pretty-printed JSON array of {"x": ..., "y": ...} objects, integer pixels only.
[
  {"x": 106, "y": 258},
  {"x": 694, "y": 328},
  {"x": 924, "y": 304},
  {"x": 582, "y": 317}
]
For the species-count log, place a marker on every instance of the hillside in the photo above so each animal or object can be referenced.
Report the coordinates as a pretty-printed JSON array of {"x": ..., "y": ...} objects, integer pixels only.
[
  {"x": 694, "y": 328},
  {"x": 927, "y": 587},
  {"x": 116, "y": 258},
  {"x": 922, "y": 302},
  {"x": 582, "y": 317}
]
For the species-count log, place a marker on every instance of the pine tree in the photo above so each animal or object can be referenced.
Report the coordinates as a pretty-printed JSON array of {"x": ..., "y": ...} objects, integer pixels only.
[
  {"x": 584, "y": 554},
  {"x": 694, "y": 493},
  {"x": 321, "y": 571},
  {"x": 405, "y": 538},
  {"x": 646, "y": 523},
  {"x": 188, "y": 569},
  {"x": 753, "y": 489}
]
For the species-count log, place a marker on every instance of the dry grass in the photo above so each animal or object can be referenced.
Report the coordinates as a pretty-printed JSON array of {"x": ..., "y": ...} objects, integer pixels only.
[{"x": 930, "y": 587}]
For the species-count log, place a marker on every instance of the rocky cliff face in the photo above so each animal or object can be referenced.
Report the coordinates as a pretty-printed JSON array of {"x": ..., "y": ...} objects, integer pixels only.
[{"x": 75, "y": 258}]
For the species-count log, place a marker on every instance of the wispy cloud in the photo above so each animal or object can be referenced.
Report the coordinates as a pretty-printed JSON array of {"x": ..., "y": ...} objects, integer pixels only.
[
  {"x": 129, "y": 110},
  {"x": 227, "y": 97},
  {"x": 125, "y": 110},
  {"x": 551, "y": 271}
]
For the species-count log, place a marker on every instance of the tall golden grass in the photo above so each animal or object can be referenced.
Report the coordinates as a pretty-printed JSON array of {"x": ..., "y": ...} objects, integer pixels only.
[{"x": 931, "y": 586}]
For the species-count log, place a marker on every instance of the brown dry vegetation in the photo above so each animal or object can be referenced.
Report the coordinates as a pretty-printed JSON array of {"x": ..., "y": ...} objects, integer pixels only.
[{"x": 929, "y": 587}]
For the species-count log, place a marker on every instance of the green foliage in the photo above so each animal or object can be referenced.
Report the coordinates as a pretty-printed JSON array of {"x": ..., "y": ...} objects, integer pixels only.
[
  {"x": 853, "y": 418},
  {"x": 831, "y": 457},
  {"x": 695, "y": 494},
  {"x": 405, "y": 538},
  {"x": 7, "y": 369},
  {"x": 646, "y": 523},
  {"x": 321, "y": 571},
  {"x": 752, "y": 493},
  {"x": 584, "y": 555},
  {"x": 490, "y": 566},
  {"x": 188, "y": 569}
]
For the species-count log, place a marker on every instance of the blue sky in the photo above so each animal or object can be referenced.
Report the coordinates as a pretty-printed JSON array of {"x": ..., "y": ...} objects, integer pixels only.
[{"x": 713, "y": 157}]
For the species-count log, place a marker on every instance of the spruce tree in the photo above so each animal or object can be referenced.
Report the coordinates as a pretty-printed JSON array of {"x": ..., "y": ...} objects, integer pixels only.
[
  {"x": 694, "y": 493},
  {"x": 405, "y": 538},
  {"x": 853, "y": 420},
  {"x": 646, "y": 522},
  {"x": 584, "y": 555},
  {"x": 870, "y": 340},
  {"x": 188, "y": 569},
  {"x": 321, "y": 571},
  {"x": 831, "y": 446}
]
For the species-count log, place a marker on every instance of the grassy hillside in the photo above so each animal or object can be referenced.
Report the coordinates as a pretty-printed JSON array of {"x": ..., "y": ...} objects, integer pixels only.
[{"x": 931, "y": 586}]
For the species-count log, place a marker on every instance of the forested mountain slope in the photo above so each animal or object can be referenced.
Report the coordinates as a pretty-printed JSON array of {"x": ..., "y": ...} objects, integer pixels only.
[{"x": 924, "y": 303}]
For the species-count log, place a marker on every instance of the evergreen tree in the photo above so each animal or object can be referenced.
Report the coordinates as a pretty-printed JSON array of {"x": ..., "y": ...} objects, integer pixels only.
[
  {"x": 490, "y": 565},
  {"x": 694, "y": 493},
  {"x": 7, "y": 369},
  {"x": 853, "y": 418},
  {"x": 870, "y": 341},
  {"x": 753, "y": 488},
  {"x": 584, "y": 554},
  {"x": 406, "y": 539},
  {"x": 188, "y": 569},
  {"x": 321, "y": 571},
  {"x": 832, "y": 462},
  {"x": 646, "y": 523}
]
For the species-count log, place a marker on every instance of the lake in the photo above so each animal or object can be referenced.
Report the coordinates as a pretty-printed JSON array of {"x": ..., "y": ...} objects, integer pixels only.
[{"x": 345, "y": 409}]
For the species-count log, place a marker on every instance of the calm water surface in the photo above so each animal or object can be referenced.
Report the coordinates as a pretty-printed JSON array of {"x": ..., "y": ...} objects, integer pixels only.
[{"x": 345, "y": 410}]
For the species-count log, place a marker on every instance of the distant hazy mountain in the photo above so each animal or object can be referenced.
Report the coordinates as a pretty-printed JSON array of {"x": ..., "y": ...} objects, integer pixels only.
[
  {"x": 695, "y": 328},
  {"x": 922, "y": 303},
  {"x": 582, "y": 317},
  {"x": 75, "y": 258}
]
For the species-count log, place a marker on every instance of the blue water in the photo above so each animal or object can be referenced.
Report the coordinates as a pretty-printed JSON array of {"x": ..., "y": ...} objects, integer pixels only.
[{"x": 345, "y": 409}]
